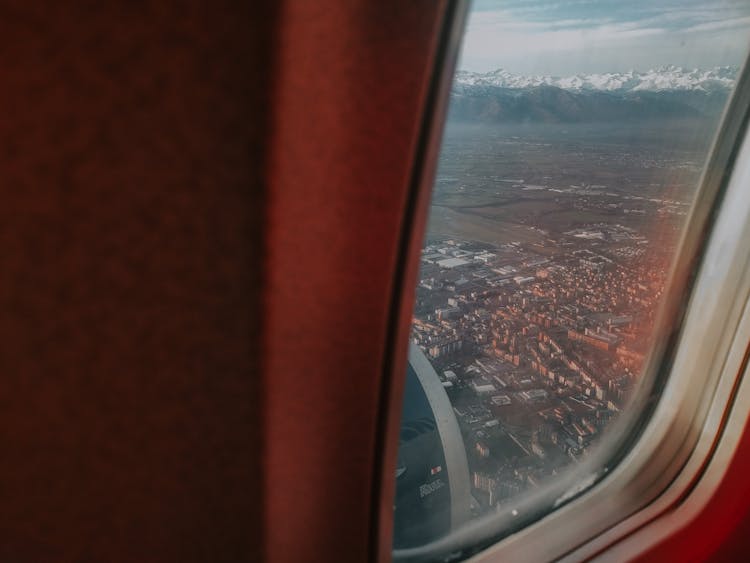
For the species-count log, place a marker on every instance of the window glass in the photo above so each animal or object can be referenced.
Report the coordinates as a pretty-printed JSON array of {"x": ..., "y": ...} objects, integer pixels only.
[{"x": 576, "y": 136}]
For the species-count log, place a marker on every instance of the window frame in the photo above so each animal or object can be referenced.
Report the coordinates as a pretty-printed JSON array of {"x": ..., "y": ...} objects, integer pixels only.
[{"x": 643, "y": 485}]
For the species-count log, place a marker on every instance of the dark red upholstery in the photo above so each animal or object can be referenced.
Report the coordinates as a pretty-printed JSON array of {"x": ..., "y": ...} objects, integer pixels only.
[
  {"x": 352, "y": 82},
  {"x": 134, "y": 145},
  {"x": 132, "y": 149}
]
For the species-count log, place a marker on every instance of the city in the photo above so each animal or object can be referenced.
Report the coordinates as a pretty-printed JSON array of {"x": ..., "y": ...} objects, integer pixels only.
[{"x": 538, "y": 324}]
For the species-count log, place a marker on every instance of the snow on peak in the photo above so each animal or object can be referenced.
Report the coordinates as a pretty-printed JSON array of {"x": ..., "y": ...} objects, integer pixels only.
[{"x": 667, "y": 77}]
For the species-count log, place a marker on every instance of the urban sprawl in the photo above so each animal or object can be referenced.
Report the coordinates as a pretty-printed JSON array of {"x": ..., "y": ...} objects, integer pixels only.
[{"x": 538, "y": 346}]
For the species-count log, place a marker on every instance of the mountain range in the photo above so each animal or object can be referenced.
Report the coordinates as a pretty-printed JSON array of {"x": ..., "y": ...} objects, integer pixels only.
[{"x": 665, "y": 92}]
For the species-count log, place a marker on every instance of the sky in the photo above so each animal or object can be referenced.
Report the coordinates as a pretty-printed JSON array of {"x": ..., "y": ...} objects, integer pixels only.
[{"x": 563, "y": 37}]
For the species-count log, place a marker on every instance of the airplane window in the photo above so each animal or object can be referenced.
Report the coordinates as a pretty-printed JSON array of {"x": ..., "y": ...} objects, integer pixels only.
[{"x": 576, "y": 138}]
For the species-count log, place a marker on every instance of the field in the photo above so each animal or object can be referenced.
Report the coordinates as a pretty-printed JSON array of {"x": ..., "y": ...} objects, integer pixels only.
[{"x": 526, "y": 183}]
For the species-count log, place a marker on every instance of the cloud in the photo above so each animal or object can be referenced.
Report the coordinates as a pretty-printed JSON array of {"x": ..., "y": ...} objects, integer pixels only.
[
  {"x": 606, "y": 35},
  {"x": 721, "y": 25}
]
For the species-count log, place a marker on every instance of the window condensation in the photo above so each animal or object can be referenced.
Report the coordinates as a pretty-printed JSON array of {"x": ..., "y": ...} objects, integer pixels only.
[{"x": 576, "y": 137}]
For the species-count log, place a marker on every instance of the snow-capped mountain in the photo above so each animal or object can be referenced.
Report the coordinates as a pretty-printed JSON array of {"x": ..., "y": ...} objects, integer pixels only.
[
  {"x": 670, "y": 77},
  {"x": 668, "y": 92}
]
